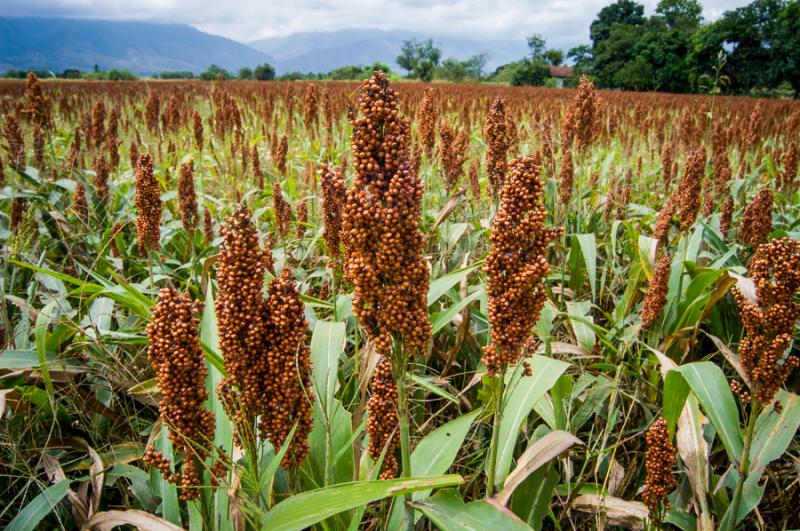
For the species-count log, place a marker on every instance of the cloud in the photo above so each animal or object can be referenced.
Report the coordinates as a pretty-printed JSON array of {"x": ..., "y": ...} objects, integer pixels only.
[{"x": 562, "y": 22}]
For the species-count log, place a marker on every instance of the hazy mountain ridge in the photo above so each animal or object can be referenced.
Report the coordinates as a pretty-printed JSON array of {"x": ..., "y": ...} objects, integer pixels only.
[
  {"x": 325, "y": 51},
  {"x": 147, "y": 48},
  {"x": 142, "y": 47}
]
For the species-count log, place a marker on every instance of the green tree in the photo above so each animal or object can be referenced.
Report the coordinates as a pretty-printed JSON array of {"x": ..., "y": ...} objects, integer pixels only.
[
  {"x": 530, "y": 72},
  {"x": 787, "y": 45},
  {"x": 681, "y": 15},
  {"x": 419, "y": 59},
  {"x": 211, "y": 73},
  {"x": 620, "y": 12},
  {"x": 245, "y": 73},
  {"x": 476, "y": 65},
  {"x": 453, "y": 70},
  {"x": 582, "y": 57},
  {"x": 553, "y": 57},
  {"x": 536, "y": 46},
  {"x": 264, "y": 72}
]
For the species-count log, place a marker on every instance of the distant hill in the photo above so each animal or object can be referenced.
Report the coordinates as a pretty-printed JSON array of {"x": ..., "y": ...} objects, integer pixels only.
[
  {"x": 325, "y": 51},
  {"x": 142, "y": 47}
]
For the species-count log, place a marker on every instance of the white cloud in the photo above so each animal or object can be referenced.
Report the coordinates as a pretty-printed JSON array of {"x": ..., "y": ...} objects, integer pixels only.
[{"x": 562, "y": 22}]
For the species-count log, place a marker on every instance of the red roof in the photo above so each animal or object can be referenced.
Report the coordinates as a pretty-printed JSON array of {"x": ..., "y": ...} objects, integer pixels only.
[{"x": 561, "y": 71}]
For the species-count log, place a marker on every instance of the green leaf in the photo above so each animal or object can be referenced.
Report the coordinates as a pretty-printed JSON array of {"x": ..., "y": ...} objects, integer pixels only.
[
  {"x": 711, "y": 387},
  {"x": 223, "y": 429},
  {"x": 588, "y": 247},
  {"x": 434, "y": 455},
  {"x": 531, "y": 500},
  {"x": 446, "y": 316},
  {"x": 308, "y": 508},
  {"x": 441, "y": 285},
  {"x": 39, "y": 507},
  {"x": 449, "y": 513},
  {"x": 774, "y": 432},
  {"x": 675, "y": 392},
  {"x": 46, "y": 316},
  {"x": 520, "y": 396},
  {"x": 327, "y": 344}
]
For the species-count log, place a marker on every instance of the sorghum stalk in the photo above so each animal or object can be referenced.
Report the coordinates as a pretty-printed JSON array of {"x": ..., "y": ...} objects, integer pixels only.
[
  {"x": 382, "y": 238},
  {"x": 516, "y": 268}
]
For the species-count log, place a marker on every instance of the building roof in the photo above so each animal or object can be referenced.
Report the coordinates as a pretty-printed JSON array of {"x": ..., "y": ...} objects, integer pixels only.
[{"x": 561, "y": 71}]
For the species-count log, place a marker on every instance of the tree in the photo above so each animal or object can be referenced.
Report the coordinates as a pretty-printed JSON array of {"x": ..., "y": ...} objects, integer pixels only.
[
  {"x": 453, "y": 70},
  {"x": 264, "y": 72},
  {"x": 476, "y": 64},
  {"x": 787, "y": 45},
  {"x": 620, "y": 12},
  {"x": 213, "y": 71},
  {"x": 419, "y": 59},
  {"x": 582, "y": 57},
  {"x": 553, "y": 57},
  {"x": 536, "y": 45},
  {"x": 530, "y": 72},
  {"x": 245, "y": 73},
  {"x": 681, "y": 15}
]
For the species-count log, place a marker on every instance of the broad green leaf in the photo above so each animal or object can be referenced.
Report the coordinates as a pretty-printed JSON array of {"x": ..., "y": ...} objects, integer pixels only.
[
  {"x": 449, "y": 513},
  {"x": 434, "y": 455},
  {"x": 307, "y": 508},
  {"x": 39, "y": 507},
  {"x": 588, "y": 247},
  {"x": 441, "y": 285},
  {"x": 531, "y": 500},
  {"x": 223, "y": 430},
  {"x": 578, "y": 315},
  {"x": 442, "y": 319},
  {"x": 774, "y": 432},
  {"x": 711, "y": 388},
  {"x": 522, "y": 392},
  {"x": 327, "y": 344}
]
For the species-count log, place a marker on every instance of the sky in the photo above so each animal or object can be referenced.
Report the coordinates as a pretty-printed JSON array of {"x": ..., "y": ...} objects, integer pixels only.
[{"x": 562, "y": 22}]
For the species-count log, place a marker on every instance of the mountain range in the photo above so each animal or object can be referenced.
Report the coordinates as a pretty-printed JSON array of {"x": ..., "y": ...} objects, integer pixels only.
[
  {"x": 147, "y": 48},
  {"x": 141, "y": 47}
]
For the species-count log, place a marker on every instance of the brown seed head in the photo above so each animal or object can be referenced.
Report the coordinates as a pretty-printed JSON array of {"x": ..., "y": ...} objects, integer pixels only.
[{"x": 516, "y": 265}]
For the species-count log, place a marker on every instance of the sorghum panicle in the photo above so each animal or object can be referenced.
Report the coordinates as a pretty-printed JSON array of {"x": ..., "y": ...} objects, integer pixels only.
[
  {"x": 769, "y": 322},
  {"x": 101, "y": 178},
  {"x": 380, "y": 229},
  {"x": 756, "y": 221},
  {"x": 334, "y": 195},
  {"x": 175, "y": 354},
  {"x": 656, "y": 296},
  {"x": 79, "y": 203},
  {"x": 187, "y": 199},
  {"x": 302, "y": 219},
  {"x": 691, "y": 187},
  {"x": 282, "y": 210},
  {"x": 426, "y": 117},
  {"x": 497, "y": 145},
  {"x": 659, "y": 462},
  {"x": 566, "y": 177},
  {"x": 289, "y": 360},
  {"x": 382, "y": 422},
  {"x": 148, "y": 205},
  {"x": 15, "y": 143},
  {"x": 516, "y": 265},
  {"x": 582, "y": 120}
]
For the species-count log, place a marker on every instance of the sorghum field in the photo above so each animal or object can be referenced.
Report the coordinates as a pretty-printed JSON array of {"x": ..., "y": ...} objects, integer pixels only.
[{"x": 243, "y": 305}]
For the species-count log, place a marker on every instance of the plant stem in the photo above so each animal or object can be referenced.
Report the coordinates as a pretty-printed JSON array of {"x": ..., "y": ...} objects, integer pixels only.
[
  {"x": 498, "y": 417},
  {"x": 744, "y": 464},
  {"x": 400, "y": 375}
]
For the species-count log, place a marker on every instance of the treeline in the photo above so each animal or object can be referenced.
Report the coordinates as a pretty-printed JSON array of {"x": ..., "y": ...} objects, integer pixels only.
[{"x": 751, "y": 49}]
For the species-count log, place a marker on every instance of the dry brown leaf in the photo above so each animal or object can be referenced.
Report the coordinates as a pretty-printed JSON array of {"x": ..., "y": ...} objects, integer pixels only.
[
  {"x": 627, "y": 514},
  {"x": 108, "y": 520},
  {"x": 539, "y": 453}
]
